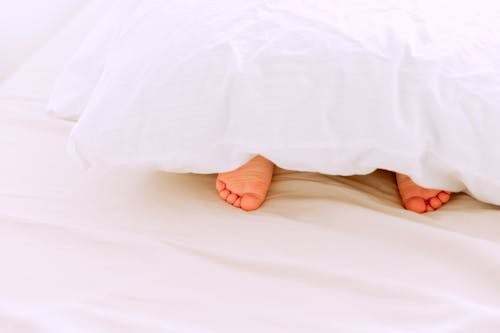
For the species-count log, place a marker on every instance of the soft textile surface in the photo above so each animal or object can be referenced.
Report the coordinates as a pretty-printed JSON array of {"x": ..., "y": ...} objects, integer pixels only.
[
  {"x": 76, "y": 83},
  {"x": 119, "y": 251},
  {"x": 151, "y": 252},
  {"x": 25, "y": 25},
  {"x": 330, "y": 86}
]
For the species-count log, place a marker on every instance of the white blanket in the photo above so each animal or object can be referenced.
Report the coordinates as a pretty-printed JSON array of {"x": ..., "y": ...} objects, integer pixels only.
[{"x": 337, "y": 87}]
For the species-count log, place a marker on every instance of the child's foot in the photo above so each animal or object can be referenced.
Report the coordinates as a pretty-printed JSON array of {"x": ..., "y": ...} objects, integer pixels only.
[
  {"x": 419, "y": 199},
  {"x": 247, "y": 186}
]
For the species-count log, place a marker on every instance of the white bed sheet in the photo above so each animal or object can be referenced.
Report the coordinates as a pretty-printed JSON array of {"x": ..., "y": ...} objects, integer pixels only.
[
  {"x": 25, "y": 25},
  {"x": 154, "y": 252}
]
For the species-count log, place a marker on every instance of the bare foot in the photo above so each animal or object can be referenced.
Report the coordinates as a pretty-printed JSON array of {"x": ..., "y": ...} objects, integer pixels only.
[
  {"x": 419, "y": 199},
  {"x": 247, "y": 186}
]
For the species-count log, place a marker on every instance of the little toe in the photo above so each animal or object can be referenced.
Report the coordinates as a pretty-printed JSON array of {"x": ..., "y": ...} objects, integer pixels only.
[
  {"x": 435, "y": 202},
  {"x": 416, "y": 204},
  {"x": 220, "y": 185},
  {"x": 444, "y": 197}
]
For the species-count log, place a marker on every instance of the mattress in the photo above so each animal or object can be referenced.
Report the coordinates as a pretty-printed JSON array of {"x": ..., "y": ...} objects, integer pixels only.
[{"x": 125, "y": 251}]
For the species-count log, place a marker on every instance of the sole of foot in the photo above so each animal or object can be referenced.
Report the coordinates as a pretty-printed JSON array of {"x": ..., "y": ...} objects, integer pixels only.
[
  {"x": 247, "y": 186},
  {"x": 419, "y": 199}
]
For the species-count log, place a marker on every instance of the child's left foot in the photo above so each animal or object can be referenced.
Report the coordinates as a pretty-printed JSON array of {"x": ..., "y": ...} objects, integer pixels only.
[
  {"x": 419, "y": 199},
  {"x": 247, "y": 186}
]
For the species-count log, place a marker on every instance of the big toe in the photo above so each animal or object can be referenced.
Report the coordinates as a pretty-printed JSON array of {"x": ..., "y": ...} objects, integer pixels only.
[
  {"x": 416, "y": 204},
  {"x": 251, "y": 202}
]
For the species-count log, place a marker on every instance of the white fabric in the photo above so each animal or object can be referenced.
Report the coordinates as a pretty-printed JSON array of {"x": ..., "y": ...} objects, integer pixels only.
[
  {"x": 25, "y": 25},
  {"x": 76, "y": 83},
  {"x": 114, "y": 252},
  {"x": 338, "y": 87},
  {"x": 43, "y": 68}
]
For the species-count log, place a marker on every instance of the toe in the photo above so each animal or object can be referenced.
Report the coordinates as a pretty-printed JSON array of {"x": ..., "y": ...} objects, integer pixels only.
[
  {"x": 416, "y": 204},
  {"x": 429, "y": 208},
  {"x": 444, "y": 197},
  {"x": 231, "y": 199},
  {"x": 224, "y": 194},
  {"x": 251, "y": 202},
  {"x": 237, "y": 203},
  {"x": 435, "y": 202},
  {"x": 220, "y": 185}
]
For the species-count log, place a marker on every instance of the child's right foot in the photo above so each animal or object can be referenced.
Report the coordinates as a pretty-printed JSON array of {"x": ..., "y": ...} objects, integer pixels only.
[
  {"x": 247, "y": 186},
  {"x": 419, "y": 199}
]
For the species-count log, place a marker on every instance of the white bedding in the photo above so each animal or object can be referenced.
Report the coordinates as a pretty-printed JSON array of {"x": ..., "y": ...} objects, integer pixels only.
[
  {"x": 154, "y": 252},
  {"x": 338, "y": 87},
  {"x": 25, "y": 25}
]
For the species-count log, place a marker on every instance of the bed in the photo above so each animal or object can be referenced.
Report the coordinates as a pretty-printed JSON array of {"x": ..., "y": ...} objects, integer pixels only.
[{"x": 127, "y": 251}]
